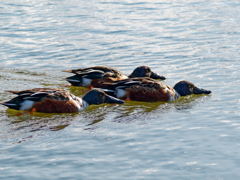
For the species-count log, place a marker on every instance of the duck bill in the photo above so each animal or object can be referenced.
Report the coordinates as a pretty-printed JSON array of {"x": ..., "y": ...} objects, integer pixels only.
[
  {"x": 201, "y": 91},
  {"x": 157, "y": 76},
  {"x": 110, "y": 99}
]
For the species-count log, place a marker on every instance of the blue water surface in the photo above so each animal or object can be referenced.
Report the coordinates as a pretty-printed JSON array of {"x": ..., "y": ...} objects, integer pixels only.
[{"x": 195, "y": 137}]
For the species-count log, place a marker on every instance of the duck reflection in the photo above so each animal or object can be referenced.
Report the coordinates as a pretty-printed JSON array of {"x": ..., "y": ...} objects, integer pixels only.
[
  {"x": 189, "y": 102},
  {"x": 91, "y": 118},
  {"x": 30, "y": 122},
  {"x": 141, "y": 112}
]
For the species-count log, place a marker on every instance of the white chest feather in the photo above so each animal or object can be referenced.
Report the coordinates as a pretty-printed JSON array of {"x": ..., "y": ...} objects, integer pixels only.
[
  {"x": 125, "y": 77},
  {"x": 26, "y": 105},
  {"x": 120, "y": 93},
  {"x": 84, "y": 105},
  {"x": 81, "y": 104},
  {"x": 174, "y": 95},
  {"x": 86, "y": 82}
]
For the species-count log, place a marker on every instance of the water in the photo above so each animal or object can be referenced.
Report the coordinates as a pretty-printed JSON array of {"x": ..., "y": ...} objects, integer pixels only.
[{"x": 195, "y": 137}]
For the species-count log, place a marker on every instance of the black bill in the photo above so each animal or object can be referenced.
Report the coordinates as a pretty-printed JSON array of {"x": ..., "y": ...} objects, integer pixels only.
[
  {"x": 157, "y": 76},
  {"x": 201, "y": 91},
  {"x": 110, "y": 99}
]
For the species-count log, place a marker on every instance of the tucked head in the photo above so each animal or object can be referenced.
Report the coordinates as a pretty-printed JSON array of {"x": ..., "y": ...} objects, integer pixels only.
[
  {"x": 96, "y": 96},
  {"x": 145, "y": 71},
  {"x": 186, "y": 88}
]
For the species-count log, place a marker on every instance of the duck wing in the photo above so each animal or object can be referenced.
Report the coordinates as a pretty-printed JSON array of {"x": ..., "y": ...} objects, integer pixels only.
[
  {"x": 140, "y": 89},
  {"x": 44, "y": 100}
]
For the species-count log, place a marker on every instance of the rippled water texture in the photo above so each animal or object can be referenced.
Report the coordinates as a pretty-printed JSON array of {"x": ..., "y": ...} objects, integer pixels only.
[{"x": 195, "y": 137}]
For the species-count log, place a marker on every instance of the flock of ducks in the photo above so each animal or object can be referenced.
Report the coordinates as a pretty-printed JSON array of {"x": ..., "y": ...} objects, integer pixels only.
[{"x": 108, "y": 85}]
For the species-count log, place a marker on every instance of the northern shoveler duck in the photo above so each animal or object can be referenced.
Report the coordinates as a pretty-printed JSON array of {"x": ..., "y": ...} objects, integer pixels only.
[
  {"x": 146, "y": 89},
  {"x": 92, "y": 76},
  {"x": 49, "y": 100}
]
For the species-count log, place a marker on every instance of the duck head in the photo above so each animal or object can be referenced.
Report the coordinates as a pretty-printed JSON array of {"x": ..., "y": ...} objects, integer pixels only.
[
  {"x": 186, "y": 88},
  {"x": 145, "y": 71},
  {"x": 96, "y": 96}
]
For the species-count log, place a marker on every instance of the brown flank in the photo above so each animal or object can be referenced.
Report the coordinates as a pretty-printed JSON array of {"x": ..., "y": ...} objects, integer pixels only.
[{"x": 55, "y": 106}]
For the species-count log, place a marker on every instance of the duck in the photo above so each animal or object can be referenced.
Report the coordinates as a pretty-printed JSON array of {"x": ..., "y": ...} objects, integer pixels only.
[
  {"x": 52, "y": 100},
  {"x": 93, "y": 76},
  {"x": 150, "y": 90}
]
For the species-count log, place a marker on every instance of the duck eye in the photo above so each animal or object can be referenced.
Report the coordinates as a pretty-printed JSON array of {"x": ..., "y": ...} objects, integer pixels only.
[
  {"x": 147, "y": 71},
  {"x": 100, "y": 95},
  {"x": 189, "y": 86}
]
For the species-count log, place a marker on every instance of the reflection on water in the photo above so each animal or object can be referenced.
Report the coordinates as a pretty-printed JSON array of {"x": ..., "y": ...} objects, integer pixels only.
[
  {"x": 29, "y": 122},
  {"x": 194, "y": 137},
  {"x": 129, "y": 112},
  {"x": 188, "y": 102}
]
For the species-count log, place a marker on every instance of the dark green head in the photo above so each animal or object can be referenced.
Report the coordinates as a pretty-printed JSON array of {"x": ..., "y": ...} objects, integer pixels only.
[
  {"x": 186, "y": 88},
  {"x": 145, "y": 71},
  {"x": 96, "y": 96}
]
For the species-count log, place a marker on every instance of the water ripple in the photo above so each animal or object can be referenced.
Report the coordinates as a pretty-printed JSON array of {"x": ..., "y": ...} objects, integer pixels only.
[{"x": 195, "y": 137}]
